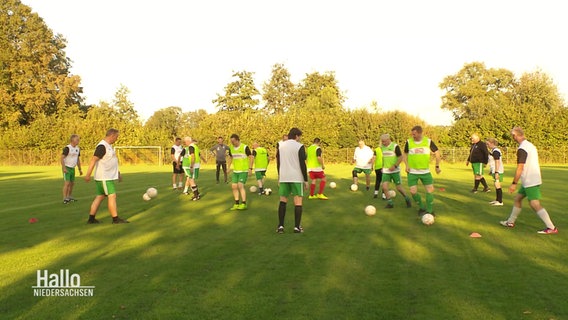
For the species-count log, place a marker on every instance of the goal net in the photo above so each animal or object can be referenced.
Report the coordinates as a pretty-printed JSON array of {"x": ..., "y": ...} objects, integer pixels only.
[{"x": 151, "y": 155}]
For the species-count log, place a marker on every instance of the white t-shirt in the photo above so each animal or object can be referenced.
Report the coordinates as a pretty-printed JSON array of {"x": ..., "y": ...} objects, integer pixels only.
[
  {"x": 107, "y": 167},
  {"x": 177, "y": 151},
  {"x": 290, "y": 169},
  {"x": 72, "y": 157},
  {"x": 530, "y": 176},
  {"x": 362, "y": 157},
  {"x": 492, "y": 167}
]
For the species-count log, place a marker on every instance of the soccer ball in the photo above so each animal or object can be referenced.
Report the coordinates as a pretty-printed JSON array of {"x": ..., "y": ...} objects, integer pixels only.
[
  {"x": 332, "y": 185},
  {"x": 354, "y": 187},
  {"x": 428, "y": 219},
  {"x": 152, "y": 192},
  {"x": 267, "y": 191},
  {"x": 253, "y": 189},
  {"x": 370, "y": 210},
  {"x": 392, "y": 194},
  {"x": 146, "y": 197}
]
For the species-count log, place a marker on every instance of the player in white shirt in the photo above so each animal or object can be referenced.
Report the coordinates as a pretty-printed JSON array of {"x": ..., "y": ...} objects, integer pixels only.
[
  {"x": 105, "y": 164},
  {"x": 177, "y": 176},
  {"x": 528, "y": 172},
  {"x": 70, "y": 158},
  {"x": 363, "y": 160},
  {"x": 496, "y": 169}
]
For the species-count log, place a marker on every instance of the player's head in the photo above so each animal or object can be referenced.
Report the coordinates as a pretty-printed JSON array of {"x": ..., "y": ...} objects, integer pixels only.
[
  {"x": 220, "y": 140},
  {"x": 416, "y": 133},
  {"x": 518, "y": 134},
  {"x": 235, "y": 140},
  {"x": 255, "y": 145},
  {"x": 111, "y": 135},
  {"x": 475, "y": 138},
  {"x": 492, "y": 142},
  {"x": 361, "y": 143},
  {"x": 187, "y": 141},
  {"x": 74, "y": 139},
  {"x": 317, "y": 141},
  {"x": 285, "y": 137},
  {"x": 386, "y": 139},
  {"x": 178, "y": 141},
  {"x": 295, "y": 134}
]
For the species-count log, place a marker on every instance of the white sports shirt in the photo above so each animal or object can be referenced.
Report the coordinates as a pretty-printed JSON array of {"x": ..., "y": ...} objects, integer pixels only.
[
  {"x": 107, "y": 167},
  {"x": 530, "y": 176},
  {"x": 362, "y": 157}
]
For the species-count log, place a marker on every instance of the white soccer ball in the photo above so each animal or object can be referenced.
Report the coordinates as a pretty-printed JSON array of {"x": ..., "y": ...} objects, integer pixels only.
[
  {"x": 354, "y": 187},
  {"x": 146, "y": 197},
  {"x": 332, "y": 185},
  {"x": 267, "y": 191},
  {"x": 152, "y": 192},
  {"x": 253, "y": 189},
  {"x": 428, "y": 219},
  {"x": 392, "y": 194},
  {"x": 370, "y": 210}
]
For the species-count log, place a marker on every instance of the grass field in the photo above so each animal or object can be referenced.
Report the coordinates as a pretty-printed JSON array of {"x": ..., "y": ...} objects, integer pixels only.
[{"x": 179, "y": 259}]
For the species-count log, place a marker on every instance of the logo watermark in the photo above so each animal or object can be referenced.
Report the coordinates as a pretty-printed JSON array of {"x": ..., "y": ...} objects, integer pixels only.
[{"x": 62, "y": 284}]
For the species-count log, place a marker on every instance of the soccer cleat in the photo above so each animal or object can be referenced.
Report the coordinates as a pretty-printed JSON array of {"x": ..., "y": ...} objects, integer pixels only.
[
  {"x": 298, "y": 229},
  {"x": 421, "y": 212},
  {"x": 375, "y": 196},
  {"x": 492, "y": 202},
  {"x": 497, "y": 204},
  {"x": 322, "y": 196},
  {"x": 186, "y": 193},
  {"x": 93, "y": 221},
  {"x": 242, "y": 206},
  {"x": 389, "y": 206},
  {"x": 260, "y": 193},
  {"x": 119, "y": 221},
  {"x": 71, "y": 199},
  {"x": 367, "y": 188},
  {"x": 408, "y": 203},
  {"x": 548, "y": 231},
  {"x": 486, "y": 190},
  {"x": 507, "y": 224},
  {"x": 235, "y": 207},
  {"x": 280, "y": 230},
  {"x": 312, "y": 197},
  {"x": 195, "y": 198},
  {"x": 473, "y": 191},
  {"x": 66, "y": 201}
]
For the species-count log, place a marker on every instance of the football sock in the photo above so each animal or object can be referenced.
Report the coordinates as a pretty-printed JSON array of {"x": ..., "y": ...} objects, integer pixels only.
[
  {"x": 418, "y": 199},
  {"x": 514, "y": 214},
  {"x": 195, "y": 190},
  {"x": 429, "y": 202},
  {"x": 376, "y": 191},
  {"x": 312, "y": 189},
  {"x": 244, "y": 202},
  {"x": 499, "y": 195},
  {"x": 476, "y": 184},
  {"x": 484, "y": 183},
  {"x": 322, "y": 186},
  {"x": 237, "y": 202},
  {"x": 298, "y": 215},
  {"x": 281, "y": 213},
  {"x": 91, "y": 218},
  {"x": 174, "y": 186},
  {"x": 115, "y": 218},
  {"x": 180, "y": 185},
  {"x": 185, "y": 189},
  {"x": 543, "y": 214}
]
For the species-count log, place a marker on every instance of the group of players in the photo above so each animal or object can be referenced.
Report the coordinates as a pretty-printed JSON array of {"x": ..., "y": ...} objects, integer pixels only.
[{"x": 296, "y": 163}]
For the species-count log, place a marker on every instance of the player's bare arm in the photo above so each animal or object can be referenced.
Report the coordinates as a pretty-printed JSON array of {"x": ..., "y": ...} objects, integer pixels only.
[{"x": 517, "y": 177}]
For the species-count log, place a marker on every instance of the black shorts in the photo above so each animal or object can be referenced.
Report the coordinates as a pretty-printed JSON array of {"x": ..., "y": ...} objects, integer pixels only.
[
  {"x": 176, "y": 169},
  {"x": 221, "y": 162}
]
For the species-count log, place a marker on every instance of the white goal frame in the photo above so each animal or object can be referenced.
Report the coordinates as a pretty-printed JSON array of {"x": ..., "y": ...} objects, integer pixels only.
[{"x": 160, "y": 151}]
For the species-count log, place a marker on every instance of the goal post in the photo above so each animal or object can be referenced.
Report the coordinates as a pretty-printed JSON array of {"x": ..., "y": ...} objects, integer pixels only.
[{"x": 152, "y": 155}]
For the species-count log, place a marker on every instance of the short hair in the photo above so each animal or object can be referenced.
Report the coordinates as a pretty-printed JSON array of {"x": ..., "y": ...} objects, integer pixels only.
[
  {"x": 178, "y": 139},
  {"x": 385, "y": 136},
  {"x": 219, "y": 137},
  {"x": 294, "y": 132},
  {"x": 519, "y": 131},
  {"x": 235, "y": 136},
  {"x": 493, "y": 141},
  {"x": 417, "y": 129},
  {"x": 187, "y": 138},
  {"x": 111, "y": 132},
  {"x": 317, "y": 140},
  {"x": 73, "y": 136}
]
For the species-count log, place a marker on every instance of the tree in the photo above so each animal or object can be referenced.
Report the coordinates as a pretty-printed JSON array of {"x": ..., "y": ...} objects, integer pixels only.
[
  {"x": 319, "y": 92},
  {"x": 34, "y": 69},
  {"x": 278, "y": 91},
  {"x": 166, "y": 121},
  {"x": 240, "y": 94}
]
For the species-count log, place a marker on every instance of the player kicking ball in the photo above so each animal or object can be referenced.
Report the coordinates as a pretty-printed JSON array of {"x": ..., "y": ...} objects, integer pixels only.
[{"x": 316, "y": 170}]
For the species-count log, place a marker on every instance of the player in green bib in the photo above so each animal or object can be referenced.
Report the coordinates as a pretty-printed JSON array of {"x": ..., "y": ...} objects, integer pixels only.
[
  {"x": 261, "y": 161},
  {"x": 242, "y": 160},
  {"x": 392, "y": 157},
  {"x": 190, "y": 162},
  {"x": 316, "y": 169},
  {"x": 417, "y": 161}
]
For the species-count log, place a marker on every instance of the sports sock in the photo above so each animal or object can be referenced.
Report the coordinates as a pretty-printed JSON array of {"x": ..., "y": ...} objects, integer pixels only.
[
  {"x": 476, "y": 185},
  {"x": 180, "y": 185},
  {"x": 261, "y": 189},
  {"x": 484, "y": 183},
  {"x": 429, "y": 202},
  {"x": 195, "y": 190},
  {"x": 514, "y": 214},
  {"x": 115, "y": 218},
  {"x": 281, "y": 213},
  {"x": 174, "y": 186},
  {"x": 322, "y": 187},
  {"x": 237, "y": 202},
  {"x": 376, "y": 191},
  {"x": 244, "y": 202},
  {"x": 418, "y": 199},
  {"x": 543, "y": 214},
  {"x": 297, "y": 215},
  {"x": 499, "y": 195},
  {"x": 185, "y": 189},
  {"x": 312, "y": 189}
]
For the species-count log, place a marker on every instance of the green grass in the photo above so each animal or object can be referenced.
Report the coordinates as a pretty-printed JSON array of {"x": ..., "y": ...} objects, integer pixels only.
[{"x": 179, "y": 259}]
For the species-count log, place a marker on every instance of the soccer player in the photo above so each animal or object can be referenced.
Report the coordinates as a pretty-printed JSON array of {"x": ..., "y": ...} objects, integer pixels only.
[
  {"x": 292, "y": 178},
  {"x": 417, "y": 161},
  {"x": 261, "y": 161},
  {"x": 316, "y": 170},
  {"x": 496, "y": 170},
  {"x": 177, "y": 176},
  {"x": 284, "y": 138},
  {"x": 190, "y": 162},
  {"x": 363, "y": 160},
  {"x": 220, "y": 151},
  {"x": 69, "y": 160},
  {"x": 105, "y": 164},
  {"x": 242, "y": 160},
  {"x": 478, "y": 157},
  {"x": 392, "y": 157},
  {"x": 378, "y": 166},
  {"x": 528, "y": 172}
]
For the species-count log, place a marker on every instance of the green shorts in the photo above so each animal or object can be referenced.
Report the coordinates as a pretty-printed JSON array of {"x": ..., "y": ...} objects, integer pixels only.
[
  {"x": 105, "y": 188},
  {"x": 260, "y": 174},
  {"x": 359, "y": 170},
  {"x": 295, "y": 189},
  {"x": 532, "y": 193},
  {"x": 70, "y": 175},
  {"x": 426, "y": 179},
  {"x": 192, "y": 174},
  {"x": 477, "y": 168},
  {"x": 500, "y": 177},
  {"x": 394, "y": 177},
  {"x": 239, "y": 177}
]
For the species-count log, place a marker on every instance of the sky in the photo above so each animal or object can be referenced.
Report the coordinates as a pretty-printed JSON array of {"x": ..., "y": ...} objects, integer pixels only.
[{"x": 182, "y": 53}]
